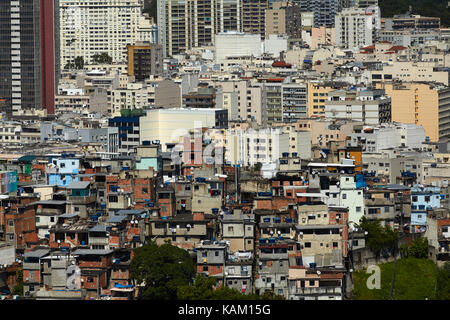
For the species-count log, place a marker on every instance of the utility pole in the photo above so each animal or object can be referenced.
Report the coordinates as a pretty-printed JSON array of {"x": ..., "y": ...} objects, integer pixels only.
[{"x": 393, "y": 274}]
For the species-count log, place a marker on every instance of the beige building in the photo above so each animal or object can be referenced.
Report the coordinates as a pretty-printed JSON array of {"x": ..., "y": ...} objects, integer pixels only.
[
  {"x": 423, "y": 104},
  {"x": 317, "y": 96},
  {"x": 322, "y": 36},
  {"x": 409, "y": 72}
]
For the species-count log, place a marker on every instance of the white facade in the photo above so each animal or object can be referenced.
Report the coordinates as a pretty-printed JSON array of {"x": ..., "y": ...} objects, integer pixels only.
[
  {"x": 351, "y": 198},
  {"x": 375, "y": 139},
  {"x": 356, "y": 27},
  {"x": 250, "y": 147},
  {"x": 276, "y": 44},
  {"x": 237, "y": 44},
  {"x": 170, "y": 125},
  {"x": 89, "y": 27}
]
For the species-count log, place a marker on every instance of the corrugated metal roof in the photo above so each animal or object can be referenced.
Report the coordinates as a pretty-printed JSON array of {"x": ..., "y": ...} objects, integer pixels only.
[
  {"x": 68, "y": 215},
  {"x": 116, "y": 219},
  {"x": 92, "y": 252},
  {"x": 99, "y": 228},
  {"x": 58, "y": 202},
  {"x": 36, "y": 253},
  {"x": 125, "y": 211},
  {"x": 78, "y": 185}
]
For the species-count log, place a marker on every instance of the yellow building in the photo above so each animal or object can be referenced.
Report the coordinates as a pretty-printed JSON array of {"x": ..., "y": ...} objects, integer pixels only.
[
  {"x": 419, "y": 103},
  {"x": 317, "y": 96}
]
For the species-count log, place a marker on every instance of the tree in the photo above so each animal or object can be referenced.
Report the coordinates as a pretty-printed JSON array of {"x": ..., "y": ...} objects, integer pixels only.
[
  {"x": 18, "y": 288},
  {"x": 162, "y": 270},
  {"x": 203, "y": 288},
  {"x": 419, "y": 248},
  {"x": 102, "y": 58},
  {"x": 69, "y": 66},
  {"x": 379, "y": 237},
  {"x": 443, "y": 282},
  {"x": 79, "y": 63}
]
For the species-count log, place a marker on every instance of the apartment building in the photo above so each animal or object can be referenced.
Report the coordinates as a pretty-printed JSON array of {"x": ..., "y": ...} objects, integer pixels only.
[
  {"x": 370, "y": 107},
  {"x": 90, "y": 27},
  {"x": 144, "y": 60},
  {"x": 324, "y": 11},
  {"x": 28, "y": 59},
  {"x": 423, "y": 104},
  {"x": 254, "y": 16},
  {"x": 283, "y": 18},
  {"x": 356, "y": 27},
  {"x": 188, "y": 24},
  {"x": 409, "y": 71}
]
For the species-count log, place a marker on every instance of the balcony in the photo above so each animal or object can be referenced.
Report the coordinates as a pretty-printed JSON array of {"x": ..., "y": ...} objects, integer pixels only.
[{"x": 316, "y": 291}]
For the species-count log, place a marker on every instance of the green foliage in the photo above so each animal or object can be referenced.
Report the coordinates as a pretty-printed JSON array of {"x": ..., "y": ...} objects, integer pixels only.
[
  {"x": 204, "y": 289},
  {"x": 443, "y": 282},
  {"x": 379, "y": 237},
  {"x": 419, "y": 248},
  {"x": 163, "y": 269},
  {"x": 414, "y": 280},
  {"x": 18, "y": 288},
  {"x": 150, "y": 8},
  {"x": 257, "y": 167},
  {"x": 79, "y": 63},
  {"x": 429, "y": 8},
  {"x": 69, "y": 66},
  {"x": 102, "y": 58}
]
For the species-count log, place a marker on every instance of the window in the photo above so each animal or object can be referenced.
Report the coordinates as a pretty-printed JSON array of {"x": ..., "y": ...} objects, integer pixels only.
[
  {"x": 205, "y": 268},
  {"x": 414, "y": 198},
  {"x": 76, "y": 209},
  {"x": 11, "y": 223},
  {"x": 311, "y": 282},
  {"x": 230, "y": 229},
  {"x": 344, "y": 196},
  {"x": 358, "y": 209},
  {"x": 38, "y": 219},
  {"x": 307, "y": 244},
  {"x": 427, "y": 198},
  {"x": 386, "y": 209},
  {"x": 216, "y": 253},
  {"x": 335, "y": 244}
]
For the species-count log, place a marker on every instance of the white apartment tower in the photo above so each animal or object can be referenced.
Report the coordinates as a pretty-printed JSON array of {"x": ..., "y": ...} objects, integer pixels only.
[
  {"x": 356, "y": 27},
  {"x": 185, "y": 24},
  {"x": 89, "y": 27}
]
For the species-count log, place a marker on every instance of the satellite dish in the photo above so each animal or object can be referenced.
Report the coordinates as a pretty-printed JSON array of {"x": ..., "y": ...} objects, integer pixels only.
[{"x": 318, "y": 272}]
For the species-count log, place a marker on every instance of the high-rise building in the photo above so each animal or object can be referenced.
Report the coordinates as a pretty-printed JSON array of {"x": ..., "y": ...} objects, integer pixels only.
[
  {"x": 324, "y": 10},
  {"x": 356, "y": 27},
  {"x": 185, "y": 24},
  {"x": 254, "y": 16},
  {"x": 27, "y": 58},
  {"x": 91, "y": 27},
  {"x": 283, "y": 18},
  {"x": 144, "y": 60}
]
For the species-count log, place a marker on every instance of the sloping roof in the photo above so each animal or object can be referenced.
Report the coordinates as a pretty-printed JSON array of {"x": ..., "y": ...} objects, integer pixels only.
[
  {"x": 116, "y": 219},
  {"x": 78, "y": 185},
  {"x": 125, "y": 211},
  {"x": 92, "y": 252},
  {"x": 57, "y": 202},
  {"x": 99, "y": 228},
  {"x": 26, "y": 159},
  {"x": 37, "y": 253},
  {"x": 68, "y": 215}
]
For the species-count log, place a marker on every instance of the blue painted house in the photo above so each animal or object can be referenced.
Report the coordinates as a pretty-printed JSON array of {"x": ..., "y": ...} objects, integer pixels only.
[
  {"x": 422, "y": 199},
  {"x": 63, "y": 170}
]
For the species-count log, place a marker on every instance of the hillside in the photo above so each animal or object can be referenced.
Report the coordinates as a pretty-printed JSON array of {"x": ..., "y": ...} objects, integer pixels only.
[
  {"x": 414, "y": 280},
  {"x": 431, "y": 8}
]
